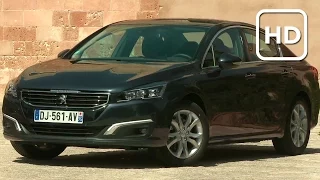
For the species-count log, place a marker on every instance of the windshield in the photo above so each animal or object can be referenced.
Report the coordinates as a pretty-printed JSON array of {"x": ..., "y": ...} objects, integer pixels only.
[{"x": 169, "y": 43}]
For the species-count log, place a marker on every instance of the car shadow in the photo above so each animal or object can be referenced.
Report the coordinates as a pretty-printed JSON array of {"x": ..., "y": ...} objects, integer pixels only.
[{"x": 143, "y": 160}]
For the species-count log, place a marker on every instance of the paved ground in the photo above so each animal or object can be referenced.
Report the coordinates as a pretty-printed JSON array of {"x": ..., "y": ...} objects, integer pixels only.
[{"x": 239, "y": 161}]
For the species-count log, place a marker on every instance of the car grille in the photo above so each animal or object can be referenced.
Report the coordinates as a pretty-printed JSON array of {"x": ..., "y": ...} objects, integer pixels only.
[
  {"x": 65, "y": 98},
  {"x": 62, "y": 130}
]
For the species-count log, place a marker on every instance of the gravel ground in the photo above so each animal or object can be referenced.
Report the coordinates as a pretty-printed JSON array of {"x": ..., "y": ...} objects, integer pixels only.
[{"x": 237, "y": 161}]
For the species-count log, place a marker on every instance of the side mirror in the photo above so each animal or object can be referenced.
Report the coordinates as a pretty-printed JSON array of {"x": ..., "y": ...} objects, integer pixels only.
[
  {"x": 226, "y": 60},
  {"x": 62, "y": 53}
]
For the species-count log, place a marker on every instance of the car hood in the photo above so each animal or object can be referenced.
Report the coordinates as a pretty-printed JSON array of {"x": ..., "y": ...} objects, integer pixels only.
[{"x": 96, "y": 75}]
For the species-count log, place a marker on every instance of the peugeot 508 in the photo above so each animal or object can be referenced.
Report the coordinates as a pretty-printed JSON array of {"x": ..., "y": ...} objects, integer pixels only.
[{"x": 170, "y": 85}]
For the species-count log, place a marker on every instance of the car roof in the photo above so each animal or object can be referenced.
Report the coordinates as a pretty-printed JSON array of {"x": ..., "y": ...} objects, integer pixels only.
[{"x": 186, "y": 21}]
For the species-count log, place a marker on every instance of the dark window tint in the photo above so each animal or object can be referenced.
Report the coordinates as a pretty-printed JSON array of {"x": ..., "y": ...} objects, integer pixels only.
[
  {"x": 228, "y": 41},
  {"x": 169, "y": 43},
  {"x": 266, "y": 50}
]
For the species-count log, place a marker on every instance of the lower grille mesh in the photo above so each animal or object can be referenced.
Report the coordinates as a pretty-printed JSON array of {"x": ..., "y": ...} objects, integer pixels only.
[{"x": 62, "y": 130}]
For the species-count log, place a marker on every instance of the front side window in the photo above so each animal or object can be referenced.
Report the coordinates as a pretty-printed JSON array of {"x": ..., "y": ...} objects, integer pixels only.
[
  {"x": 228, "y": 41},
  {"x": 266, "y": 50},
  {"x": 143, "y": 43}
]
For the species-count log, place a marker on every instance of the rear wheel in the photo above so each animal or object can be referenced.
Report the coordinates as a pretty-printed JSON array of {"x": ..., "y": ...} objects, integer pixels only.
[
  {"x": 188, "y": 136},
  {"x": 297, "y": 131},
  {"x": 38, "y": 151}
]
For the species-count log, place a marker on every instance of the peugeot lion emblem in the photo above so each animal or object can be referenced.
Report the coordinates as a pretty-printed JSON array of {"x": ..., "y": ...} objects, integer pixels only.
[{"x": 63, "y": 99}]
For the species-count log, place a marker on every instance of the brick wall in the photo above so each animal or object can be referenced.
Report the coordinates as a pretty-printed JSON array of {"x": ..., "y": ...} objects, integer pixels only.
[{"x": 32, "y": 31}]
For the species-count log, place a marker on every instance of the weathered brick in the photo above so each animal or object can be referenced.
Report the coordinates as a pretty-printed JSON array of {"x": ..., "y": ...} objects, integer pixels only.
[
  {"x": 6, "y": 48},
  {"x": 78, "y": 18},
  {"x": 86, "y": 31},
  {"x": 94, "y": 19},
  {"x": 73, "y": 4},
  {"x": 40, "y": 48},
  {"x": 12, "y": 18},
  {"x": 96, "y": 4},
  {"x": 124, "y": 5},
  {"x": 12, "y": 33},
  {"x": 147, "y": 15},
  {"x": 1, "y": 33},
  {"x": 18, "y": 63},
  {"x": 60, "y": 18},
  {"x": 30, "y": 4},
  {"x": 149, "y": 5},
  {"x": 19, "y": 48},
  {"x": 89, "y": 19},
  {"x": 12, "y": 4},
  {"x": 1, "y": 18},
  {"x": 29, "y": 33},
  {"x": 49, "y": 33},
  {"x": 70, "y": 33},
  {"x": 19, "y": 33},
  {"x": 8, "y": 74},
  {"x": 114, "y": 16},
  {"x": 42, "y": 58},
  {"x": 38, "y": 18},
  {"x": 2, "y": 63},
  {"x": 51, "y": 4}
]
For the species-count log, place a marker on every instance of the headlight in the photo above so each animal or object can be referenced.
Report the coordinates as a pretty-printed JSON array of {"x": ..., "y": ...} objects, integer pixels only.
[
  {"x": 11, "y": 89},
  {"x": 144, "y": 93}
]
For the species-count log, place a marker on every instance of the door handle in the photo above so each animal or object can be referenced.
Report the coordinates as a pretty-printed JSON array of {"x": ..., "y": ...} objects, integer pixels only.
[
  {"x": 250, "y": 75},
  {"x": 285, "y": 72}
]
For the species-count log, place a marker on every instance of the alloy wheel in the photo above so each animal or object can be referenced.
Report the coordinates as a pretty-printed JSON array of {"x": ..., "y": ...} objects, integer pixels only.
[
  {"x": 186, "y": 134},
  {"x": 299, "y": 125}
]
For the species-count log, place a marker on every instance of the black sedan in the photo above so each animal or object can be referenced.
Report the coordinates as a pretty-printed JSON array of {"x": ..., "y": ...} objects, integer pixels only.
[{"x": 170, "y": 85}]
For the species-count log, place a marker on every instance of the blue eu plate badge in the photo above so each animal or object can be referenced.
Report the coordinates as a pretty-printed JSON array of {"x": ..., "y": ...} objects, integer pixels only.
[
  {"x": 80, "y": 117},
  {"x": 36, "y": 115}
]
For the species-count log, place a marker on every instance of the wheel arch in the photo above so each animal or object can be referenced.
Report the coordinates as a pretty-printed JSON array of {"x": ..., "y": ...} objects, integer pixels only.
[{"x": 196, "y": 99}]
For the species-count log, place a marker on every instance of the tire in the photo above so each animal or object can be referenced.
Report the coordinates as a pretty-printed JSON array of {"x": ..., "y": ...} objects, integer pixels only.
[
  {"x": 37, "y": 152},
  {"x": 193, "y": 136},
  {"x": 288, "y": 144}
]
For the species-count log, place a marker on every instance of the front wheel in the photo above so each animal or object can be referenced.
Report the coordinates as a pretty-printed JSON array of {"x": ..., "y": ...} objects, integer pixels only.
[
  {"x": 38, "y": 151},
  {"x": 188, "y": 136},
  {"x": 297, "y": 131}
]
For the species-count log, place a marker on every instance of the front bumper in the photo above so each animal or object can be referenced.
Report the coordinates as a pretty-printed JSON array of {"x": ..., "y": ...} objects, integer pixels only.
[
  {"x": 130, "y": 124},
  {"x": 90, "y": 142}
]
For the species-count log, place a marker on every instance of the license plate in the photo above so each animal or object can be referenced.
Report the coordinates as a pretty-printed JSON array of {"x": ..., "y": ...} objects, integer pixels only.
[{"x": 53, "y": 116}]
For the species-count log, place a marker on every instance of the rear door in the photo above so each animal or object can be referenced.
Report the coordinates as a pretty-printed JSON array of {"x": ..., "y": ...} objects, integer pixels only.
[{"x": 273, "y": 77}]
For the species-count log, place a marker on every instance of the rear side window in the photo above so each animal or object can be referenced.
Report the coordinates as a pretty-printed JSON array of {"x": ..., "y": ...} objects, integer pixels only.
[{"x": 266, "y": 50}]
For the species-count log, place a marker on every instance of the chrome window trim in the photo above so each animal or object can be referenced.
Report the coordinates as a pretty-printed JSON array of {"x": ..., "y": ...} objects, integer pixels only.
[
  {"x": 62, "y": 92},
  {"x": 16, "y": 123},
  {"x": 116, "y": 126},
  {"x": 280, "y": 51}
]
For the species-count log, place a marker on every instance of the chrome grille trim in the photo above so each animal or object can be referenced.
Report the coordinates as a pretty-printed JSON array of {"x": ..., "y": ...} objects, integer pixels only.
[{"x": 74, "y": 99}]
